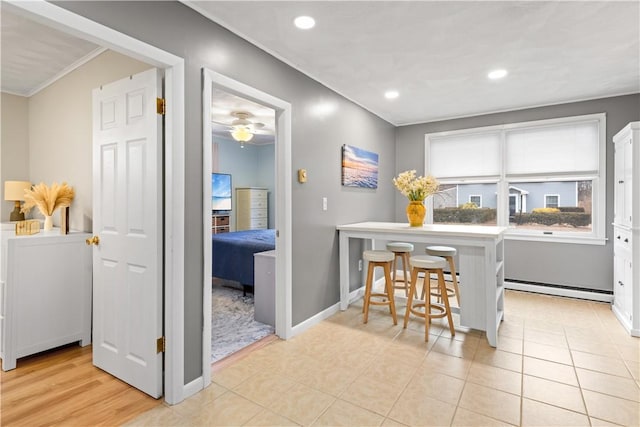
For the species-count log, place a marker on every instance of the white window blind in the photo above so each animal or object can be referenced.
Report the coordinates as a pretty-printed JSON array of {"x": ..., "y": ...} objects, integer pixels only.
[
  {"x": 466, "y": 155},
  {"x": 567, "y": 148},
  {"x": 542, "y": 155}
]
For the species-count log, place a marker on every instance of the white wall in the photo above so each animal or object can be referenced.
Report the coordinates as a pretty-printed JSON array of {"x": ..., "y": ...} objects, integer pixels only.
[
  {"x": 14, "y": 145},
  {"x": 251, "y": 166},
  {"x": 60, "y": 130}
]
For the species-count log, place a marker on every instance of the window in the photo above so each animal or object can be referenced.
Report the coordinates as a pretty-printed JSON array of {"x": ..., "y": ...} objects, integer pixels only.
[
  {"x": 518, "y": 170},
  {"x": 460, "y": 203},
  {"x": 552, "y": 200},
  {"x": 571, "y": 200}
]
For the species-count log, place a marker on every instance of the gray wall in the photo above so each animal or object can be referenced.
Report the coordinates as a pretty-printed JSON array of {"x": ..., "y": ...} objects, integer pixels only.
[
  {"x": 316, "y": 146},
  {"x": 582, "y": 266}
]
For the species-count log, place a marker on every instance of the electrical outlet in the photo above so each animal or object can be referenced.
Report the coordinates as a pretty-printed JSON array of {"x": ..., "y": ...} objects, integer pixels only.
[
  {"x": 359, "y": 265},
  {"x": 324, "y": 203}
]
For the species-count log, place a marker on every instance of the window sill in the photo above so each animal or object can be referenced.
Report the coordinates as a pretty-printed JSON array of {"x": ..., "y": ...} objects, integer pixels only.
[{"x": 601, "y": 241}]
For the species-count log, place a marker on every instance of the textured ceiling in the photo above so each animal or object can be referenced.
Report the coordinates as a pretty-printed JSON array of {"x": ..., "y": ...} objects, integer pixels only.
[
  {"x": 438, "y": 54},
  {"x": 223, "y": 104},
  {"x": 34, "y": 55}
]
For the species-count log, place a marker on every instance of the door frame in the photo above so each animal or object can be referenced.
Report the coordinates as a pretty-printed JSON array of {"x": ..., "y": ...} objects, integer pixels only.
[
  {"x": 212, "y": 79},
  {"x": 174, "y": 170}
]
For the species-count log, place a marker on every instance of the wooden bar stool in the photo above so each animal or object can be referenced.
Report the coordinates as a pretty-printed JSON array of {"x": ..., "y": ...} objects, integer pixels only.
[
  {"x": 382, "y": 259},
  {"x": 447, "y": 253},
  {"x": 427, "y": 265},
  {"x": 401, "y": 250}
]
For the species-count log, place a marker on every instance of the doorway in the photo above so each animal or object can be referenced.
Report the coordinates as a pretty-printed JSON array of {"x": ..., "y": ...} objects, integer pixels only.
[
  {"x": 282, "y": 202},
  {"x": 173, "y": 246},
  {"x": 242, "y": 223}
]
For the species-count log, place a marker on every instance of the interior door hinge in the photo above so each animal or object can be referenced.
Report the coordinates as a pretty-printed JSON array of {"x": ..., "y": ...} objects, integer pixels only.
[
  {"x": 160, "y": 344},
  {"x": 160, "y": 106}
]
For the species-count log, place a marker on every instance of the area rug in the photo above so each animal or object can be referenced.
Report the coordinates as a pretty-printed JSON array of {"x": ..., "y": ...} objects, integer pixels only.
[{"x": 232, "y": 323}]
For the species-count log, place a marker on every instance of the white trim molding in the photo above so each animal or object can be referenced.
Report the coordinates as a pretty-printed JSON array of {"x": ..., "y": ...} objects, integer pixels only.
[
  {"x": 561, "y": 292},
  {"x": 495, "y": 139},
  {"x": 283, "y": 310},
  {"x": 193, "y": 387},
  {"x": 173, "y": 66}
]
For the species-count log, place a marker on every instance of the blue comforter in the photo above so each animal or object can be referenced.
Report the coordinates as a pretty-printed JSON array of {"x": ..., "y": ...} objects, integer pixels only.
[{"x": 233, "y": 253}]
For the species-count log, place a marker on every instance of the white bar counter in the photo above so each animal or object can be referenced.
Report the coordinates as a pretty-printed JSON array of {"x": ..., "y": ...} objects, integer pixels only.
[{"x": 480, "y": 265}]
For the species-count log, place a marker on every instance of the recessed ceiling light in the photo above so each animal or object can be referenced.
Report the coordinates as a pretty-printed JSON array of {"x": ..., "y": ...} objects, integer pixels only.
[
  {"x": 391, "y": 94},
  {"x": 304, "y": 22},
  {"x": 497, "y": 74}
]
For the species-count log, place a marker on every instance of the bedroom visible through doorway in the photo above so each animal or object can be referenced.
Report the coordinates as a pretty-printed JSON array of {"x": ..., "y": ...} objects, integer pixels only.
[{"x": 242, "y": 223}]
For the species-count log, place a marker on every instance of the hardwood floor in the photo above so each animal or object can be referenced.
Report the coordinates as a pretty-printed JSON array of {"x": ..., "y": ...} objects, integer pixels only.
[{"x": 62, "y": 387}]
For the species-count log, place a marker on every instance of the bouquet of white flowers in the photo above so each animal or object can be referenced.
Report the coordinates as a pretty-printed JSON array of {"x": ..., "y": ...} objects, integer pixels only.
[{"x": 416, "y": 188}]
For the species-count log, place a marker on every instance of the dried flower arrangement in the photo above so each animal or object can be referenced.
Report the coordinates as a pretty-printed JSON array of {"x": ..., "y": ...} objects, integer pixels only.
[{"x": 48, "y": 199}]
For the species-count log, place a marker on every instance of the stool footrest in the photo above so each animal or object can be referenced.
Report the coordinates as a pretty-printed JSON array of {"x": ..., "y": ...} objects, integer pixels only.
[
  {"x": 421, "y": 313},
  {"x": 436, "y": 292},
  {"x": 385, "y": 296}
]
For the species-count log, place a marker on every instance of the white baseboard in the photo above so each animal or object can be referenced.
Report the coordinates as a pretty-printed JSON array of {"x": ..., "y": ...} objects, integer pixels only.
[
  {"x": 193, "y": 387},
  {"x": 624, "y": 322},
  {"x": 330, "y": 311},
  {"x": 549, "y": 290},
  {"x": 356, "y": 295},
  {"x": 314, "y": 320}
]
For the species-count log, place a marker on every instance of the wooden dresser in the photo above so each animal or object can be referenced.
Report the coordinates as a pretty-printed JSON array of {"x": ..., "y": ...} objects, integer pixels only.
[{"x": 251, "y": 208}]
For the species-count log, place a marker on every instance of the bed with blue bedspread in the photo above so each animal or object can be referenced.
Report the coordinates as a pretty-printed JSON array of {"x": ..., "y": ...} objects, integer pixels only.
[{"x": 233, "y": 253}]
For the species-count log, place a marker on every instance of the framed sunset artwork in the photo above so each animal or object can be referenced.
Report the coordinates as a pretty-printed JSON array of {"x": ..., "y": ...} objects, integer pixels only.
[{"x": 359, "y": 167}]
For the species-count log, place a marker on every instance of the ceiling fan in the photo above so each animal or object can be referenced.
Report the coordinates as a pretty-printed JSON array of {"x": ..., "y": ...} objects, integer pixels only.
[{"x": 241, "y": 128}]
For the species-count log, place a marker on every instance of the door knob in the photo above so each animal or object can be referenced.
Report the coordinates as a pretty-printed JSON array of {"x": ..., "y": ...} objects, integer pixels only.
[{"x": 95, "y": 240}]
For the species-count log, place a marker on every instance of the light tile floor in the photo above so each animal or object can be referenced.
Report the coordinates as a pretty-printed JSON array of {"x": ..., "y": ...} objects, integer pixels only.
[{"x": 559, "y": 362}]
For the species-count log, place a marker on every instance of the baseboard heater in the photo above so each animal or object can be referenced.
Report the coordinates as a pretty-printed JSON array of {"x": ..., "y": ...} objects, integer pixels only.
[{"x": 559, "y": 290}]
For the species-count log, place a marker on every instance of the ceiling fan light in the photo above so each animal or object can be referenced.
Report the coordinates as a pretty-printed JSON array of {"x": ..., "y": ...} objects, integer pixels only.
[{"x": 241, "y": 134}]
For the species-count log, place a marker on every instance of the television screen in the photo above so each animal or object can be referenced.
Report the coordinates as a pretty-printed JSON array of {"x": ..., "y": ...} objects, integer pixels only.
[{"x": 220, "y": 192}]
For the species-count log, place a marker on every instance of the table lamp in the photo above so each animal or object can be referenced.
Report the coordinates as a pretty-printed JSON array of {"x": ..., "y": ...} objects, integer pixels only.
[{"x": 14, "y": 192}]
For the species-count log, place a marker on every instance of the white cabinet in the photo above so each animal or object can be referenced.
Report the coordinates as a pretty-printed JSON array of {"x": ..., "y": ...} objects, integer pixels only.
[
  {"x": 622, "y": 274},
  {"x": 264, "y": 290},
  {"x": 623, "y": 207},
  {"x": 626, "y": 228},
  {"x": 45, "y": 290},
  {"x": 251, "y": 208}
]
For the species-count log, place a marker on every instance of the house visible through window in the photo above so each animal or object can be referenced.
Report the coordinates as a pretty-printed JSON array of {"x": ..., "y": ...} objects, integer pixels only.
[
  {"x": 552, "y": 200},
  {"x": 510, "y": 175}
]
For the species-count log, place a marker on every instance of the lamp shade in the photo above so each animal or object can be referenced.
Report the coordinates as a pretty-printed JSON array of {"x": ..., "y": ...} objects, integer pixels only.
[{"x": 14, "y": 190}]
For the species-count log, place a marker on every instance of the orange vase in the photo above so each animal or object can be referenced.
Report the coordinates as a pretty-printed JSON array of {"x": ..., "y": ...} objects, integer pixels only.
[{"x": 415, "y": 213}]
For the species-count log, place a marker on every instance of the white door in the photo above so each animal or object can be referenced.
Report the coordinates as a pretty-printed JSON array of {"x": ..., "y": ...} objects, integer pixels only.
[{"x": 127, "y": 219}]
